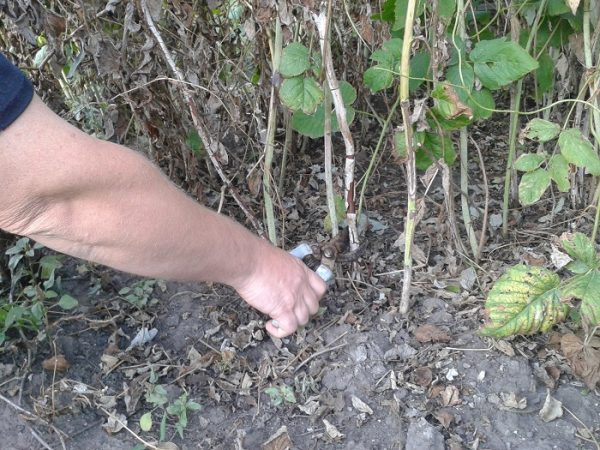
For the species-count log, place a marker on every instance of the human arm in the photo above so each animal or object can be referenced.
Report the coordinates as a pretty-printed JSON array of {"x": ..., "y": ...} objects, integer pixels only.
[{"x": 105, "y": 203}]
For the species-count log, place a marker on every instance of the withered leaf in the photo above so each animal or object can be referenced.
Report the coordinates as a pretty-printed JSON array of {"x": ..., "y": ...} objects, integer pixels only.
[
  {"x": 56, "y": 363},
  {"x": 444, "y": 416},
  {"x": 431, "y": 333},
  {"x": 584, "y": 360},
  {"x": 451, "y": 396},
  {"x": 279, "y": 441},
  {"x": 423, "y": 376}
]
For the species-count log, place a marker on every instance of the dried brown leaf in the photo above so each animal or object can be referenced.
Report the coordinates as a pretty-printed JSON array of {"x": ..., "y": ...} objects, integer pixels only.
[
  {"x": 584, "y": 360},
  {"x": 451, "y": 396},
  {"x": 551, "y": 410},
  {"x": 56, "y": 363},
  {"x": 444, "y": 417},
  {"x": 431, "y": 333},
  {"x": 279, "y": 441},
  {"x": 423, "y": 376}
]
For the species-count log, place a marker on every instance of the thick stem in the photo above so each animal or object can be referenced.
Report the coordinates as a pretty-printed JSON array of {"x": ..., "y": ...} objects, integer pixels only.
[
  {"x": 411, "y": 173},
  {"x": 340, "y": 111},
  {"x": 328, "y": 161},
  {"x": 270, "y": 143}
]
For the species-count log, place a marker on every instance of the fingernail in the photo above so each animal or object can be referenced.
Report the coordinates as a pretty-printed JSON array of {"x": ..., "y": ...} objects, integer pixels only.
[{"x": 275, "y": 323}]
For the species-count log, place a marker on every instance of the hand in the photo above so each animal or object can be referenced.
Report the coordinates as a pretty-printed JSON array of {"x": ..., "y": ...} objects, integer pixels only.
[{"x": 282, "y": 287}]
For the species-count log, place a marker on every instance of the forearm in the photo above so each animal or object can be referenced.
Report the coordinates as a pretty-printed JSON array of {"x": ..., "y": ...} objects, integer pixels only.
[
  {"x": 105, "y": 203},
  {"x": 108, "y": 204}
]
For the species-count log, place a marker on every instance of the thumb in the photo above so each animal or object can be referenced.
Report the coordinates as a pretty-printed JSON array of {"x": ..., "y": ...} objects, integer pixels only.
[{"x": 280, "y": 328}]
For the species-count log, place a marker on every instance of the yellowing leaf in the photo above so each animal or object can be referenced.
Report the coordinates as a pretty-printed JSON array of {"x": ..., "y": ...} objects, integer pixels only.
[
  {"x": 525, "y": 300},
  {"x": 573, "y": 4}
]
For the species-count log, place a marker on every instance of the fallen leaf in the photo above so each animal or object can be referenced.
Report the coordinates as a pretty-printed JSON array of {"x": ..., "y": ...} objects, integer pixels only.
[
  {"x": 311, "y": 406},
  {"x": 142, "y": 337},
  {"x": 510, "y": 400},
  {"x": 423, "y": 376},
  {"x": 279, "y": 441},
  {"x": 444, "y": 417},
  {"x": 558, "y": 258},
  {"x": 331, "y": 431},
  {"x": 584, "y": 360},
  {"x": 361, "y": 406},
  {"x": 108, "y": 362},
  {"x": 115, "y": 422},
  {"x": 167, "y": 446},
  {"x": 504, "y": 347},
  {"x": 431, "y": 333},
  {"x": 56, "y": 363},
  {"x": 451, "y": 396},
  {"x": 552, "y": 409}
]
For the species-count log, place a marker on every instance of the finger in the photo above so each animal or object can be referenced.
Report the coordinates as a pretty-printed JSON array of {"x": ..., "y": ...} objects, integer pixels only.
[
  {"x": 282, "y": 326},
  {"x": 302, "y": 313},
  {"x": 312, "y": 303}
]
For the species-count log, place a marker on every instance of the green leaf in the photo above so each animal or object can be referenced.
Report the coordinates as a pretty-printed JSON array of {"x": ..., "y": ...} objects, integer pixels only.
[
  {"x": 49, "y": 264},
  {"x": 378, "y": 78},
  {"x": 430, "y": 146},
  {"x": 579, "y": 151},
  {"x": 157, "y": 395},
  {"x": 146, "y": 422},
  {"x": 301, "y": 93},
  {"x": 288, "y": 394},
  {"x": 67, "y": 302},
  {"x": 586, "y": 287},
  {"x": 312, "y": 125},
  {"x": 193, "y": 406},
  {"x": 557, "y": 8},
  {"x": 275, "y": 395},
  {"x": 525, "y": 300},
  {"x": 541, "y": 130},
  {"x": 581, "y": 249},
  {"x": 194, "y": 142},
  {"x": 499, "y": 62},
  {"x": 462, "y": 79},
  {"x": 447, "y": 104},
  {"x": 544, "y": 74},
  {"x": 482, "y": 103},
  {"x": 419, "y": 67},
  {"x": 295, "y": 60},
  {"x": 381, "y": 76},
  {"x": 529, "y": 162},
  {"x": 558, "y": 168},
  {"x": 446, "y": 9},
  {"x": 533, "y": 185},
  {"x": 15, "y": 313}
]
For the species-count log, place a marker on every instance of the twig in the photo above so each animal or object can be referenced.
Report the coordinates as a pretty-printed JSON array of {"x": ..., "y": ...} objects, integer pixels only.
[
  {"x": 314, "y": 355},
  {"x": 486, "y": 189},
  {"x": 593, "y": 438},
  {"x": 212, "y": 147}
]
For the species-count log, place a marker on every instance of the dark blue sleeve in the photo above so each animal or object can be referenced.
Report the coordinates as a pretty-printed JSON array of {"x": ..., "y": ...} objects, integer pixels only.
[{"x": 16, "y": 92}]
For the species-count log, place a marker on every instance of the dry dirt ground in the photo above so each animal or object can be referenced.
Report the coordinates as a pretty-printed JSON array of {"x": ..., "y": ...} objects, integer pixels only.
[{"x": 360, "y": 376}]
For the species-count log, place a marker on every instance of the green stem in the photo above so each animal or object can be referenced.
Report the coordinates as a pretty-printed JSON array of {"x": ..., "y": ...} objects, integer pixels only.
[
  {"x": 411, "y": 173},
  {"x": 514, "y": 121},
  {"x": 464, "y": 150},
  {"x": 269, "y": 145}
]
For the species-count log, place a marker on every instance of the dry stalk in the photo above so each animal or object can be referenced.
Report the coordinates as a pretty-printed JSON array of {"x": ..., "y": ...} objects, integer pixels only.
[
  {"x": 211, "y": 145},
  {"x": 321, "y": 21}
]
